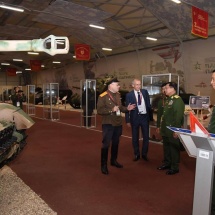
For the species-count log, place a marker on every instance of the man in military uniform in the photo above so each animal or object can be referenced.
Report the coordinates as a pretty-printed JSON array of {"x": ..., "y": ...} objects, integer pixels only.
[
  {"x": 211, "y": 129},
  {"x": 161, "y": 104},
  {"x": 109, "y": 107},
  {"x": 173, "y": 115}
]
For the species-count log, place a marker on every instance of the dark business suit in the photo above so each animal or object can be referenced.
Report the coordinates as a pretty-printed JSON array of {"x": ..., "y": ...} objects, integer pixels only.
[{"x": 138, "y": 120}]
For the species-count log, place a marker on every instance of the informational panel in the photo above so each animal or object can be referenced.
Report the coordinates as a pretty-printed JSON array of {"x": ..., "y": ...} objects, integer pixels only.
[{"x": 199, "y": 102}]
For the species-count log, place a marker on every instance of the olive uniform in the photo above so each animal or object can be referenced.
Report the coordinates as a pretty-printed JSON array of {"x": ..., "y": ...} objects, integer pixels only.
[
  {"x": 211, "y": 129},
  {"x": 111, "y": 126},
  {"x": 161, "y": 104},
  {"x": 173, "y": 115}
]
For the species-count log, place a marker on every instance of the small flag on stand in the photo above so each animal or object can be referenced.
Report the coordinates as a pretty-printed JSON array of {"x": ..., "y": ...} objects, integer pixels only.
[{"x": 196, "y": 126}]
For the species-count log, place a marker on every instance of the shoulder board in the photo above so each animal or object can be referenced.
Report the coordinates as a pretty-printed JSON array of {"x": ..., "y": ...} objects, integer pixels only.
[
  {"x": 103, "y": 94},
  {"x": 176, "y": 96}
]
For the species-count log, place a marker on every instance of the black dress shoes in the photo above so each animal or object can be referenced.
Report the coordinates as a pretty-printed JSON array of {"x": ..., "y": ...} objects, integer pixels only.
[
  {"x": 172, "y": 172},
  {"x": 116, "y": 164},
  {"x": 145, "y": 158},
  {"x": 136, "y": 158},
  {"x": 163, "y": 167}
]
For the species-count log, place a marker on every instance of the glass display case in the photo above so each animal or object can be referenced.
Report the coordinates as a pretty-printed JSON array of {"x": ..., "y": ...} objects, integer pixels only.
[
  {"x": 30, "y": 105},
  {"x": 153, "y": 83},
  {"x": 88, "y": 102},
  {"x": 50, "y": 101}
]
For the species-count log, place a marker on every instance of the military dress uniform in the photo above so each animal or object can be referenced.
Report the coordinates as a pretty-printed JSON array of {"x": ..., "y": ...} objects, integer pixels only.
[
  {"x": 173, "y": 115},
  {"x": 111, "y": 126},
  {"x": 161, "y": 104},
  {"x": 211, "y": 129}
]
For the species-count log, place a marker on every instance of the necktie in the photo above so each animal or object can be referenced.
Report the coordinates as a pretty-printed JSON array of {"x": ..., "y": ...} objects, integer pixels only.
[{"x": 138, "y": 98}]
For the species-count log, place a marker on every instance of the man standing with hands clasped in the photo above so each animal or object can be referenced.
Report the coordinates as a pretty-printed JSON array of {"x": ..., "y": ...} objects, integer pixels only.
[
  {"x": 173, "y": 115},
  {"x": 139, "y": 118},
  {"x": 109, "y": 107}
]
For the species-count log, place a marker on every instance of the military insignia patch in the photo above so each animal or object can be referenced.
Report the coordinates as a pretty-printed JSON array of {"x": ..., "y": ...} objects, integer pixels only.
[{"x": 170, "y": 102}]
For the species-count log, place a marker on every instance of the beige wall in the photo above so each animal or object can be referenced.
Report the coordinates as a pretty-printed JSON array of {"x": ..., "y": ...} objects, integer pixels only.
[{"x": 193, "y": 62}]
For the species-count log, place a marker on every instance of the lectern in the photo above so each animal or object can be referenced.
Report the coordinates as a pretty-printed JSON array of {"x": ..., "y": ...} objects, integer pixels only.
[{"x": 202, "y": 147}]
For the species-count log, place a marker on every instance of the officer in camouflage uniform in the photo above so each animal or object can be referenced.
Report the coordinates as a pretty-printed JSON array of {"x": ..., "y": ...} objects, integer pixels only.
[
  {"x": 109, "y": 107},
  {"x": 211, "y": 129},
  {"x": 173, "y": 115}
]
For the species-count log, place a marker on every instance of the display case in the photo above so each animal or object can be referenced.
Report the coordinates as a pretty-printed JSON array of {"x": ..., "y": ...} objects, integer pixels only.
[
  {"x": 153, "y": 83},
  {"x": 30, "y": 105},
  {"x": 88, "y": 102},
  {"x": 50, "y": 101}
]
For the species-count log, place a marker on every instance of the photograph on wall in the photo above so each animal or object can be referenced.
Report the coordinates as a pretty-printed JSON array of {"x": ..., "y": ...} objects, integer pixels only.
[{"x": 199, "y": 102}]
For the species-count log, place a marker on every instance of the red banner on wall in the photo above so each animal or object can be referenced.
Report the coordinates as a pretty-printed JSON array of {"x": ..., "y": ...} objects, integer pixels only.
[
  {"x": 82, "y": 52},
  {"x": 35, "y": 65},
  {"x": 11, "y": 71},
  {"x": 199, "y": 22}
]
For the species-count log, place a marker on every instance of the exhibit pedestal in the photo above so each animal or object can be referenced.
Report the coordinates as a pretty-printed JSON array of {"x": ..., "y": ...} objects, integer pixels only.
[{"x": 202, "y": 147}]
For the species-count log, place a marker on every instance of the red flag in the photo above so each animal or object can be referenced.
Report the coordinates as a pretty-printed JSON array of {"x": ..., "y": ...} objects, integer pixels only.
[
  {"x": 11, "y": 71},
  {"x": 196, "y": 126},
  {"x": 35, "y": 65},
  {"x": 82, "y": 52},
  {"x": 199, "y": 22}
]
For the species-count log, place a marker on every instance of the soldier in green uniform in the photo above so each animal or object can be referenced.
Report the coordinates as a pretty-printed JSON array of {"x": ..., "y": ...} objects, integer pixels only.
[
  {"x": 173, "y": 115},
  {"x": 109, "y": 107},
  {"x": 211, "y": 129},
  {"x": 161, "y": 104}
]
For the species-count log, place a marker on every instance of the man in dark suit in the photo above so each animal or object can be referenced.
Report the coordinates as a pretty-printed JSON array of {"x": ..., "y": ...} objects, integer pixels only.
[{"x": 139, "y": 118}]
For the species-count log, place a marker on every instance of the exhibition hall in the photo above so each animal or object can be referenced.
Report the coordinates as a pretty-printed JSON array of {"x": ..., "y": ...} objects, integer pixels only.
[{"x": 107, "y": 107}]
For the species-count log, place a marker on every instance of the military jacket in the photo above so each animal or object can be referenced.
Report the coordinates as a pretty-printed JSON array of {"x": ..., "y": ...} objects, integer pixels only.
[
  {"x": 211, "y": 126},
  {"x": 105, "y": 104},
  {"x": 161, "y": 104},
  {"x": 173, "y": 115}
]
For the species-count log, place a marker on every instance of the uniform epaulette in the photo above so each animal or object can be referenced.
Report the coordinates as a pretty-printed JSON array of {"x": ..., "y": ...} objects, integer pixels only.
[
  {"x": 176, "y": 96},
  {"x": 103, "y": 94}
]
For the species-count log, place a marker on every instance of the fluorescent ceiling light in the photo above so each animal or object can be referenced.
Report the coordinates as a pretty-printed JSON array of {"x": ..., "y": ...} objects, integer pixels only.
[
  {"x": 6, "y": 64},
  {"x": 11, "y": 8},
  {"x": 35, "y": 53},
  {"x": 56, "y": 62},
  {"x": 176, "y": 1},
  {"x": 17, "y": 60},
  {"x": 96, "y": 26},
  {"x": 42, "y": 65},
  {"x": 18, "y": 72},
  {"x": 151, "y": 38},
  {"x": 107, "y": 49},
  {"x": 27, "y": 69}
]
